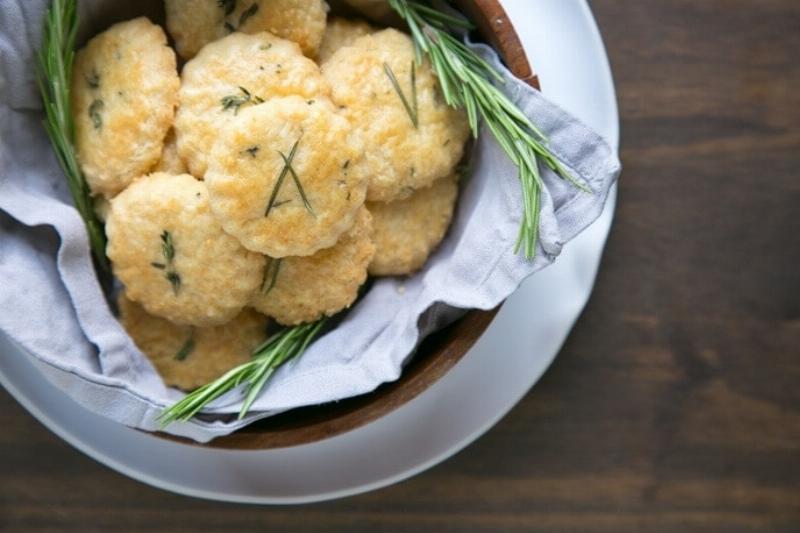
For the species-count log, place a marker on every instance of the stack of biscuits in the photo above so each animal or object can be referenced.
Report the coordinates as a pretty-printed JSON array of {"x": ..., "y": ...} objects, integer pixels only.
[{"x": 294, "y": 155}]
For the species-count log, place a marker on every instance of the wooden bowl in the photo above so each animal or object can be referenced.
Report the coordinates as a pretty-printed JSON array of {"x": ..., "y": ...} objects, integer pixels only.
[{"x": 436, "y": 354}]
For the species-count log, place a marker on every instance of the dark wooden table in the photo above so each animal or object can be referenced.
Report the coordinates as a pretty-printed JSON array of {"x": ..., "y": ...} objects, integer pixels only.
[{"x": 675, "y": 404}]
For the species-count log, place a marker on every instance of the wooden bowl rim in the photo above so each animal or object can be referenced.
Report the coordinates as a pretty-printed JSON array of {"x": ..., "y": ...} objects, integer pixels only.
[{"x": 436, "y": 354}]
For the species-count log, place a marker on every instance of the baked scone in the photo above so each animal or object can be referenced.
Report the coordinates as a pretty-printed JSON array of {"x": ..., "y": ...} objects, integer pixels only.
[
  {"x": 230, "y": 75},
  {"x": 399, "y": 156},
  {"x": 124, "y": 91},
  {"x": 281, "y": 209},
  {"x": 341, "y": 32},
  {"x": 406, "y": 231},
  {"x": 195, "y": 23},
  {"x": 172, "y": 255},
  {"x": 188, "y": 357},
  {"x": 303, "y": 289}
]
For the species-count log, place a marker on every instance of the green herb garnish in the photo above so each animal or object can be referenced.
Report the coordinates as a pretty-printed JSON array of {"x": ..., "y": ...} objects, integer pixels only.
[
  {"x": 466, "y": 82},
  {"x": 271, "y": 274},
  {"x": 253, "y": 150},
  {"x": 228, "y": 5},
  {"x": 236, "y": 101},
  {"x": 186, "y": 349},
  {"x": 168, "y": 251},
  {"x": 287, "y": 163},
  {"x": 411, "y": 109},
  {"x": 54, "y": 73},
  {"x": 95, "y": 108},
  {"x": 247, "y": 13},
  {"x": 281, "y": 347}
]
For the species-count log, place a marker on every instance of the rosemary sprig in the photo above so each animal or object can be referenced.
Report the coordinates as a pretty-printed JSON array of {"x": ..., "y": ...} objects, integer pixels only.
[
  {"x": 54, "y": 73},
  {"x": 466, "y": 82},
  {"x": 285, "y": 345},
  {"x": 411, "y": 109},
  {"x": 235, "y": 101}
]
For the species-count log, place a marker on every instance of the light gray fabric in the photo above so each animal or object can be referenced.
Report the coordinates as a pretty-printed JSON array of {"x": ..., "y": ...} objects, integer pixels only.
[{"x": 51, "y": 303}]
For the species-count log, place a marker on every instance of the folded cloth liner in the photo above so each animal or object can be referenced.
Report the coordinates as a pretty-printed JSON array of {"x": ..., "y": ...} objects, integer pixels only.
[{"x": 52, "y": 305}]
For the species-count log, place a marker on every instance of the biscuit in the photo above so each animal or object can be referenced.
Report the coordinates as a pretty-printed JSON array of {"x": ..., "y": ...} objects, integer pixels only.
[
  {"x": 188, "y": 357},
  {"x": 195, "y": 23},
  {"x": 172, "y": 256},
  {"x": 341, "y": 32},
  {"x": 230, "y": 75},
  {"x": 268, "y": 208},
  {"x": 303, "y": 289},
  {"x": 406, "y": 231},
  {"x": 399, "y": 157},
  {"x": 124, "y": 91}
]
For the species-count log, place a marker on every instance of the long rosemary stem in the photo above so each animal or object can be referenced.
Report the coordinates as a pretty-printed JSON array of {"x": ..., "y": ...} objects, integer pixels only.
[
  {"x": 466, "y": 82},
  {"x": 54, "y": 73}
]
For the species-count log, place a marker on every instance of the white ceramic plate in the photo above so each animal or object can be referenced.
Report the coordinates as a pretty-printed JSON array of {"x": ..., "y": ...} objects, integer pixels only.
[{"x": 563, "y": 42}]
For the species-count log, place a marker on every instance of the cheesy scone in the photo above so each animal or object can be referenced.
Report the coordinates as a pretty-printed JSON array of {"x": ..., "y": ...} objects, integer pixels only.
[
  {"x": 303, "y": 289},
  {"x": 124, "y": 91},
  {"x": 230, "y": 75},
  {"x": 195, "y": 23},
  {"x": 406, "y": 231},
  {"x": 409, "y": 135},
  {"x": 341, "y": 32},
  {"x": 172, "y": 256},
  {"x": 279, "y": 177},
  {"x": 188, "y": 357}
]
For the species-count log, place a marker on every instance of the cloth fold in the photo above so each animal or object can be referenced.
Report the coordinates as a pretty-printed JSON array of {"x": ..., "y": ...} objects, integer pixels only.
[{"x": 52, "y": 305}]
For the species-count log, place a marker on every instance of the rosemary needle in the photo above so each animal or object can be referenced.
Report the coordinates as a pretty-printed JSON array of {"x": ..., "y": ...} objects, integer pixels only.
[
  {"x": 285, "y": 170},
  {"x": 297, "y": 183},
  {"x": 412, "y": 111},
  {"x": 273, "y": 268},
  {"x": 186, "y": 349},
  {"x": 168, "y": 251}
]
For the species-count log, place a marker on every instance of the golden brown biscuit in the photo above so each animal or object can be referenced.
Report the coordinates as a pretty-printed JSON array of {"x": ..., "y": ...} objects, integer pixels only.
[
  {"x": 230, "y": 75},
  {"x": 341, "y": 32},
  {"x": 124, "y": 92},
  {"x": 171, "y": 161},
  {"x": 270, "y": 209},
  {"x": 303, "y": 289},
  {"x": 195, "y": 23},
  {"x": 188, "y": 357},
  {"x": 171, "y": 254},
  {"x": 399, "y": 157},
  {"x": 406, "y": 231}
]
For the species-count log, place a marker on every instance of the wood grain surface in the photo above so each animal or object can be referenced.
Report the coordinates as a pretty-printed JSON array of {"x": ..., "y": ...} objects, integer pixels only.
[{"x": 675, "y": 403}]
